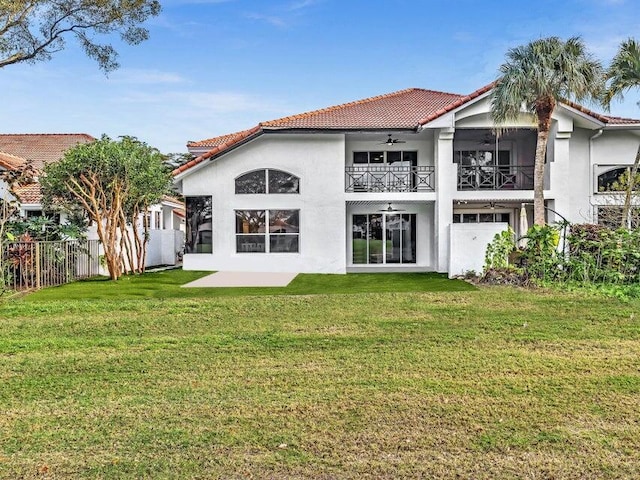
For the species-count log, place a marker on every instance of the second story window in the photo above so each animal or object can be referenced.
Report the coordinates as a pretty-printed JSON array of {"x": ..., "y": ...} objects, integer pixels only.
[
  {"x": 393, "y": 159},
  {"x": 267, "y": 181}
]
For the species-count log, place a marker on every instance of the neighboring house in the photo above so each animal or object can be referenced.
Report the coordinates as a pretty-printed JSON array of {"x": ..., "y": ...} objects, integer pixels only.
[
  {"x": 35, "y": 150},
  {"x": 413, "y": 180},
  {"x": 166, "y": 219}
]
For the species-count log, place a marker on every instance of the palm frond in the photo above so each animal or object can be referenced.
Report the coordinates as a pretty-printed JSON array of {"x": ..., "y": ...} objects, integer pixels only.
[{"x": 624, "y": 71}]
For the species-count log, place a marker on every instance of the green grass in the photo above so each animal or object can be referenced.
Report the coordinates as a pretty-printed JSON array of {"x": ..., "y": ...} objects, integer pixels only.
[
  {"x": 167, "y": 284},
  {"x": 492, "y": 383}
]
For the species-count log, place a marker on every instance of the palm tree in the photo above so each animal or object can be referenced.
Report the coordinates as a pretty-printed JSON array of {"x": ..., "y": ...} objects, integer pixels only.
[
  {"x": 622, "y": 75},
  {"x": 536, "y": 76}
]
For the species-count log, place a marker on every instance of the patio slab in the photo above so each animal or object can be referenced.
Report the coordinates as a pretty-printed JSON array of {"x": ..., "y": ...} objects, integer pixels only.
[{"x": 243, "y": 279}]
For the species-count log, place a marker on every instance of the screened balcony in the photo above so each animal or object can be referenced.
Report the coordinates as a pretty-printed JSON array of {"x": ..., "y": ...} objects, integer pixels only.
[{"x": 486, "y": 161}]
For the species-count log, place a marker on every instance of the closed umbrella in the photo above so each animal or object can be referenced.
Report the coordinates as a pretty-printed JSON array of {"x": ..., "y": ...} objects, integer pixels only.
[{"x": 524, "y": 227}]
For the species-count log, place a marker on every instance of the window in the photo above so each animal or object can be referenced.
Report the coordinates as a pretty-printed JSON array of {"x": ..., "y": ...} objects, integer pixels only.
[
  {"x": 157, "y": 220},
  {"x": 384, "y": 238},
  {"x": 614, "y": 180},
  {"x": 611, "y": 216},
  {"x": 397, "y": 159},
  {"x": 483, "y": 158},
  {"x": 267, "y": 181},
  {"x": 267, "y": 231},
  {"x": 199, "y": 225},
  {"x": 483, "y": 217}
]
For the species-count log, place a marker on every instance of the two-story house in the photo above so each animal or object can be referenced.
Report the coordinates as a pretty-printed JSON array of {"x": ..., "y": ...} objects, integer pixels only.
[{"x": 414, "y": 180}]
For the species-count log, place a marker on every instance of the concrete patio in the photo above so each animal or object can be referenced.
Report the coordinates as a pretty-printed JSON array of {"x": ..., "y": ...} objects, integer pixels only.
[{"x": 243, "y": 279}]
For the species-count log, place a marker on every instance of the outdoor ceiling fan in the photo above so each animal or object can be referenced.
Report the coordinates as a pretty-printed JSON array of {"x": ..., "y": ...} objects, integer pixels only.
[
  {"x": 391, "y": 141},
  {"x": 494, "y": 205},
  {"x": 390, "y": 209},
  {"x": 488, "y": 140}
]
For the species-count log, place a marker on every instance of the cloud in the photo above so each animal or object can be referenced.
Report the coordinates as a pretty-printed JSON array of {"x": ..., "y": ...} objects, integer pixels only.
[
  {"x": 284, "y": 15},
  {"x": 274, "y": 20},
  {"x": 146, "y": 77},
  {"x": 299, "y": 5},
  {"x": 209, "y": 103}
]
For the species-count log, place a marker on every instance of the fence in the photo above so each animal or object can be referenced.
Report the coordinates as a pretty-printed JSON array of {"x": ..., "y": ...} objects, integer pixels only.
[{"x": 34, "y": 265}]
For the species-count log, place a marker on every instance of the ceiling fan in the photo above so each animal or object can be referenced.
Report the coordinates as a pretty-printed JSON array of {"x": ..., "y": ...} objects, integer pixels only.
[
  {"x": 391, "y": 141},
  {"x": 390, "y": 209},
  {"x": 494, "y": 205},
  {"x": 488, "y": 140}
]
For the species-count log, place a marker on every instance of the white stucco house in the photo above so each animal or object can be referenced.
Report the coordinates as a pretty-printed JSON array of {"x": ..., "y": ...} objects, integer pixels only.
[{"x": 414, "y": 180}]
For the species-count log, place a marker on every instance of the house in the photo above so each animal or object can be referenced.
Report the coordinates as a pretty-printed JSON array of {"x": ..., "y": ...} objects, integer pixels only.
[
  {"x": 17, "y": 151},
  {"x": 414, "y": 180}
]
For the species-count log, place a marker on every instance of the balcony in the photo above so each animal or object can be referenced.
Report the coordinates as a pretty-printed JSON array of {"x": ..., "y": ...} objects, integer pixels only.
[
  {"x": 495, "y": 177},
  {"x": 389, "y": 178}
]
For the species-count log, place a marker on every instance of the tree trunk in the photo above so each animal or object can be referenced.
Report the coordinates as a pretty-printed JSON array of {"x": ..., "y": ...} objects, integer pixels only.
[
  {"x": 544, "y": 108},
  {"x": 538, "y": 178},
  {"x": 626, "y": 209}
]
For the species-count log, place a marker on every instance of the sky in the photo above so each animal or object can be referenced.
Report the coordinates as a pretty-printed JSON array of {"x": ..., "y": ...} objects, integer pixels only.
[{"x": 213, "y": 67}]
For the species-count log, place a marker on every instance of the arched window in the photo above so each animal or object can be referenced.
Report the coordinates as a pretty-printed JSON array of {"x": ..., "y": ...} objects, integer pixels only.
[
  {"x": 267, "y": 181},
  {"x": 610, "y": 181}
]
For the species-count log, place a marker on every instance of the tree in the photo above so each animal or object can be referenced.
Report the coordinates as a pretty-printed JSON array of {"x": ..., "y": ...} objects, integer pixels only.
[
  {"x": 33, "y": 30},
  {"x": 114, "y": 182},
  {"x": 537, "y": 76},
  {"x": 622, "y": 75}
]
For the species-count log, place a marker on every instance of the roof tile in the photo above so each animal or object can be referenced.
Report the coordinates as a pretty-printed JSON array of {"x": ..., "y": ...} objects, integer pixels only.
[
  {"x": 41, "y": 148},
  {"x": 31, "y": 193},
  {"x": 404, "y": 109}
]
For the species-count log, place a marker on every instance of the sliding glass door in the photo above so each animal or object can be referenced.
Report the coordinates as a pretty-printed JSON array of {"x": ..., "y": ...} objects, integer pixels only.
[{"x": 388, "y": 238}]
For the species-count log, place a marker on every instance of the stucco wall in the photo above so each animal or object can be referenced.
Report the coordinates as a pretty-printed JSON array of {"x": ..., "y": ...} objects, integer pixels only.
[
  {"x": 319, "y": 162},
  {"x": 469, "y": 244}
]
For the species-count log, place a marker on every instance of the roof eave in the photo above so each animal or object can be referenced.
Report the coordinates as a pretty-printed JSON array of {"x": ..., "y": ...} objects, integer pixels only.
[
  {"x": 455, "y": 106},
  {"x": 216, "y": 152}
]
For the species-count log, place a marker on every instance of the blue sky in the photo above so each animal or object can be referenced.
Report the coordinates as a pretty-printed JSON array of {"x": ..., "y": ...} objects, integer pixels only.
[{"x": 218, "y": 66}]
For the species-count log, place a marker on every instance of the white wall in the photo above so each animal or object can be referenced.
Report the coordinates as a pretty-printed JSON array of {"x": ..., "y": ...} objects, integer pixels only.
[
  {"x": 319, "y": 162},
  {"x": 163, "y": 247},
  {"x": 468, "y": 245}
]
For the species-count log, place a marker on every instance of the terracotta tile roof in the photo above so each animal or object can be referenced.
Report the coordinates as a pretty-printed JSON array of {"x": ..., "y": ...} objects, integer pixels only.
[
  {"x": 172, "y": 199},
  {"x": 404, "y": 109},
  {"x": 29, "y": 193},
  {"x": 10, "y": 162},
  {"x": 401, "y": 109},
  {"x": 461, "y": 100},
  {"x": 215, "y": 141},
  {"x": 41, "y": 148},
  {"x": 608, "y": 119},
  {"x": 235, "y": 140},
  {"x": 397, "y": 110}
]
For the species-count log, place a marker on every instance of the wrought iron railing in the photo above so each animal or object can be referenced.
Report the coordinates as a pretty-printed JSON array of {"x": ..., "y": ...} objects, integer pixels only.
[
  {"x": 34, "y": 265},
  {"x": 388, "y": 178},
  {"x": 495, "y": 177}
]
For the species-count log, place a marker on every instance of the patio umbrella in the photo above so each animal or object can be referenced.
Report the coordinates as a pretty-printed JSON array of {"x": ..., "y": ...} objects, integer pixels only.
[{"x": 524, "y": 227}]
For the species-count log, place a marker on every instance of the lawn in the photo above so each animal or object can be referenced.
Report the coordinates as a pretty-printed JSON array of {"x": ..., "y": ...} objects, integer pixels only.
[
  {"x": 487, "y": 384},
  {"x": 167, "y": 284}
]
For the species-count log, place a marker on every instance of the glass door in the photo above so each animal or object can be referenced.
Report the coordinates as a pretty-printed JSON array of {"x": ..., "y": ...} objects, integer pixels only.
[{"x": 384, "y": 238}]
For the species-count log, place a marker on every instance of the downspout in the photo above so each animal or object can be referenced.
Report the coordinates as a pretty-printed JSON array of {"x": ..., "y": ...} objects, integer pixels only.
[{"x": 593, "y": 168}]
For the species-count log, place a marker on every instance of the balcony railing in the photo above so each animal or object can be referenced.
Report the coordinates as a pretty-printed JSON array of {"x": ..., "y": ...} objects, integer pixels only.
[
  {"x": 495, "y": 177},
  {"x": 388, "y": 178}
]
